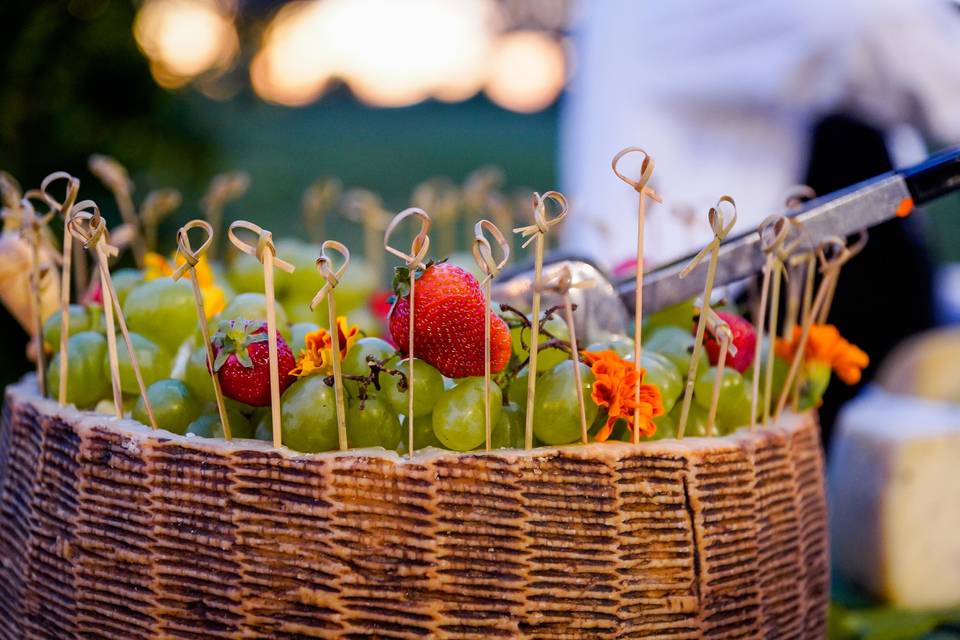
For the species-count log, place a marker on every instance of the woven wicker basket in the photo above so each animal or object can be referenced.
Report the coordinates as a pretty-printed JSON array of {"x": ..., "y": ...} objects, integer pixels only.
[{"x": 110, "y": 530}]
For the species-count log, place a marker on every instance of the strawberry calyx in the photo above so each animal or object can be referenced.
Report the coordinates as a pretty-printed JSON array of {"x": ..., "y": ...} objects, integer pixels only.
[
  {"x": 401, "y": 278},
  {"x": 234, "y": 338}
]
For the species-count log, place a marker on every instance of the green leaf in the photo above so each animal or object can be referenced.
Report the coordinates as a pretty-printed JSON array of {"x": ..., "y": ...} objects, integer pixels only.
[
  {"x": 259, "y": 337},
  {"x": 401, "y": 281},
  {"x": 244, "y": 357},
  {"x": 222, "y": 356}
]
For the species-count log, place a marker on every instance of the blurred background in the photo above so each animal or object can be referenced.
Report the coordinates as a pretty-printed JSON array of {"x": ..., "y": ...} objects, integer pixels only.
[{"x": 730, "y": 97}]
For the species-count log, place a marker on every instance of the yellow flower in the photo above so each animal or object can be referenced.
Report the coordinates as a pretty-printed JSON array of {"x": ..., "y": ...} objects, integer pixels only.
[
  {"x": 316, "y": 356},
  {"x": 156, "y": 266},
  {"x": 827, "y": 346}
]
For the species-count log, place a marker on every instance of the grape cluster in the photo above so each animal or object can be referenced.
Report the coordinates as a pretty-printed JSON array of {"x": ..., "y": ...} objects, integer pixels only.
[{"x": 447, "y": 413}]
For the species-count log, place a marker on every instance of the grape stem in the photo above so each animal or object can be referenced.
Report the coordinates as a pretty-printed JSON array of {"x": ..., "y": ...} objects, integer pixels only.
[{"x": 373, "y": 378}]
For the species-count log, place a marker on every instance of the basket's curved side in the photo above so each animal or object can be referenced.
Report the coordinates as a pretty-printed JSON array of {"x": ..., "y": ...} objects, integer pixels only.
[{"x": 110, "y": 529}]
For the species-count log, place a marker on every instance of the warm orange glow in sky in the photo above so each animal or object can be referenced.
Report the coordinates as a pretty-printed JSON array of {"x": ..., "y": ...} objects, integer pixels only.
[{"x": 527, "y": 71}]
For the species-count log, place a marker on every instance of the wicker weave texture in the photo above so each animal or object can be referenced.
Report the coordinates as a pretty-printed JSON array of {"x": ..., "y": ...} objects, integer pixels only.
[{"x": 109, "y": 530}]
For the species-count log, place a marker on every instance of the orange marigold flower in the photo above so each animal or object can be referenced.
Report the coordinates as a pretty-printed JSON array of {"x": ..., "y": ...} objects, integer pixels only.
[
  {"x": 615, "y": 380},
  {"x": 826, "y": 345},
  {"x": 316, "y": 356}
]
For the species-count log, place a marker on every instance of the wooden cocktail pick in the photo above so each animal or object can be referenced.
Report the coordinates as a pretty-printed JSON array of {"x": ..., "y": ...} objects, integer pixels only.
[
  {"x": 63, "y": 208},
  {"x": 191, "y": 257},
  {"x": 413, "y": 260},
  {"x": 155, "y": 207},
  {"x": 266, "y": 253},
  {"x": 796, "y": 197},
  {"x": 224, "y": 188},
  {"x": 490, "y": 268},
  {"x": 115, "y": 177},
  {"x": 89, "y": 228},
  {"x": 721, "y": 228},
  {"x": 852, "y": 251},
  {"x": 318, "y": 200},
  {"x": 32, "y": 226},
  {"x": 773, "y": 233},
  {"x": 832, "y": 254},
  {"x": 331, "y": 277},
  {"x": 721, "y": 331},
  {"x": 366, "y": 209},
  {"x": 643, "y": 192},
  {"x": 535, "y": 233},
  {"x": 441, "y": 197},
  {"x": 561, "y": 284}
]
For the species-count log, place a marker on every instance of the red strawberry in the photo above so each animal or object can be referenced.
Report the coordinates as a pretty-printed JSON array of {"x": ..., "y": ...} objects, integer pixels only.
[
  {"x": 242, "y": 361},
  {"x": 448, "y": 323},
  {"x": 744, "y": 339}
]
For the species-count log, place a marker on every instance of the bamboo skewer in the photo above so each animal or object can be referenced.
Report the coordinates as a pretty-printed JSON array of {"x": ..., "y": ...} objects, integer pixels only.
[
  {"x": 115, "y": 177},
  {"x": 156, "y": 206},
  {"x": 318, "y": 200},
  {"x": 561, "y": 284},
  {"x": 223, "y": 189},
  {"x": 536, "y": 233},
  {"x": 266, "y": 253},
  {"x": 830, "y": 268},
  {"x": 88, "y": 226},
  {"x": 720, "y": 231},
  {"x": 331, "y": 279},
  {"x": 191, "y": 257},
  {"x": 640, "y": 186},
  {"x": 366, "y": 209},
  {"x": 721, "y": 331},
  {"x": 32, "y": 225},
  {"x": 490, "y": 268},
  {"x": 414, "y": 260},
  {"x": 69, "y": 198},
  {"x": 773, "y": 233},
  {"x": 441, "y": 198}
]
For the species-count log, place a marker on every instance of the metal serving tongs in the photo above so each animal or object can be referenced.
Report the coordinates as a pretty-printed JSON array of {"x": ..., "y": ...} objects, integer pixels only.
[{"x": 607, "y": 307}]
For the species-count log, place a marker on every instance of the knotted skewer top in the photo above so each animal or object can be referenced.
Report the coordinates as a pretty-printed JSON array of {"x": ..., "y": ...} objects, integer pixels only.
[
  {"x": 366, "y": 208},
  {"x": 562, "y": 282},
  {"x": 88, "y": 226},
  {"x": 331, "y": 275},
  {"x": 191, "y": 256},
  {"x": 72, "y": 189},
  {"x": 264, "y": 243},
  {"x": 541, "y": 223},
  {"x": 834, "y": 252},
  {"x": 483, "y": 251},
  {"x": 721, "y": 229},
  {"x": 646, "y": 171},
  {"x": 421, "y": 242}
]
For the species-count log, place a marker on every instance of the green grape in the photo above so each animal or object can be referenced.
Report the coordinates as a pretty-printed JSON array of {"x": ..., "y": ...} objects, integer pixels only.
[
  {"x": 696, "y": 420},
  {"x": 208, "y": 425},
  {"x": 249, "y": 306},
  {"x": 423, "y": 435},
  {"x": 374, "y": 425},
  {"x": 816, "y": 378},
  {"x": 163, "y": 311},
  {"x": 153, "y": 360},
  {"x": 556, "y": 416},
  {"x": 459, "y": 415},
  {"x": 666, "y": 427},
  {"x": 246, "y": 274},
  {"x": 733, "y": 407},
  {"x": 508, "y": 432},
  {"x": 173, "y": 406},
  {"x": 676, "y": 345},
  {"x": 622, "y": 345},
  {"x": 662, "y": 373},
  {"x": 427, "y": 388},
  {"x": 678, "y": 315},
  {"x": 517, "y": 391},
  {"x": 264, "y": 428},
  {"x": 106, "y": 407},
  {"x": 305, "y": 280},
  {"x": 86, "y": 383},
  {"x": 197, "y": 376},
  {"x": 124, "y": 281},
  {"x": 309, "y": 416},
  {"x": 357, "y": 286},
  {"x": 298, "y": 333},
  {"x": 369, "y": 324},
  {"x": 546, "y": 358},
  {"x": 80, "y": 320},
  {"x": 355, "y": 362}
]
